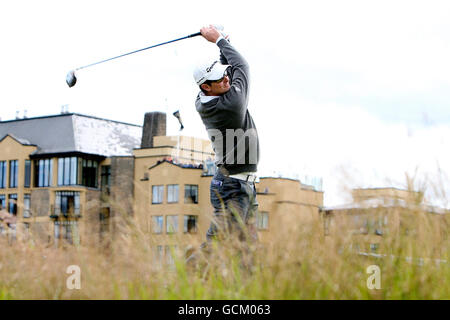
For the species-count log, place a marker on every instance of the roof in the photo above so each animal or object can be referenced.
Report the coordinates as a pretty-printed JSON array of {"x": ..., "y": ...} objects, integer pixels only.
[
  {"x": 386, "y": 203},
  {"x": 303, "y": 186},
  {"x": 181, "y": 165},
  {"x": 21, "y": 141},
  {"x": 73, "y": 132}
]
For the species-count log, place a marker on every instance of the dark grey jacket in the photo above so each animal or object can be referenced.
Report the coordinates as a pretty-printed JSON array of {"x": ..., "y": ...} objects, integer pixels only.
[{"x": 229, "y": 124}]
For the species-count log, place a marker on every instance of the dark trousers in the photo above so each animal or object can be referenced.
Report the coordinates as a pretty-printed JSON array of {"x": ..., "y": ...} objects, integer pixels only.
[
  {"x": 234, "y": 219},
  {"x": 235, "y": 207}
]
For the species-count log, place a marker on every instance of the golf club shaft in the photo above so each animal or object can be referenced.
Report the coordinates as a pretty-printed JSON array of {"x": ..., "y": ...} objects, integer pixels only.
[{"x": 125, "y": 54}]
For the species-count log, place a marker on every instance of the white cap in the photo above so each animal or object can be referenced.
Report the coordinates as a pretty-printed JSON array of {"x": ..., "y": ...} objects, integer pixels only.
[{"x": 212, "y": 71}]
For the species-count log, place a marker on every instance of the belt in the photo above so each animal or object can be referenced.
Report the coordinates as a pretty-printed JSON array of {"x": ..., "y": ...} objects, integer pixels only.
[
  {"x": 246, "y": 177},
  {"x": 241, "y": 176}
]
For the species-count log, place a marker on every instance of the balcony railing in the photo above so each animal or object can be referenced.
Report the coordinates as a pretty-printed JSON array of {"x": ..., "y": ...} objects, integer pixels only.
[{"x": 56, "y": 212}]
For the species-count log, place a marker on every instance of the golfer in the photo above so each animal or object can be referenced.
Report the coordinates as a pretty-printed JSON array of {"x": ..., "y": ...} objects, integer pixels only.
[{"x": 222, "y": 105}]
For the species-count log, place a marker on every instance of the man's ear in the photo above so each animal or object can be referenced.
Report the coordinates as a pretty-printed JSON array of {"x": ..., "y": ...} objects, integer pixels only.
[{"x": 206, "y": 87}]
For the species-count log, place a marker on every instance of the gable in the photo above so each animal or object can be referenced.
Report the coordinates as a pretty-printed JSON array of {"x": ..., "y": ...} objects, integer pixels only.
[{"x": 13, "y": 148}]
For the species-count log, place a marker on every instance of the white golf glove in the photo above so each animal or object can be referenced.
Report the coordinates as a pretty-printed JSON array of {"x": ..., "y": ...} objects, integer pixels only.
[{"x": 221, "y": 30}]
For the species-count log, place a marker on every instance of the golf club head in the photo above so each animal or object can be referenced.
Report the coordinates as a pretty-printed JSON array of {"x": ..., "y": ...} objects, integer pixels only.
[
  {"x": 71, "y": 79},
  {"x": 177, "y": 115}
]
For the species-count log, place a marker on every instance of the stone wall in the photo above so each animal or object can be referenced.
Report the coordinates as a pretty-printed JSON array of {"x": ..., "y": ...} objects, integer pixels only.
[
  {"x": 154, "y": 125},
  {"x": 40, "y": 203},
  {"x": 90, "y": 232},
  {"x": 122, "y": 190}
]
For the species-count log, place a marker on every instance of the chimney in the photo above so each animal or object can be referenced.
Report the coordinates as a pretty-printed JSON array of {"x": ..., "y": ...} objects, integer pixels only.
[
  {"x": 64, "y": 109},
  {"x": 154, "y": 125}
]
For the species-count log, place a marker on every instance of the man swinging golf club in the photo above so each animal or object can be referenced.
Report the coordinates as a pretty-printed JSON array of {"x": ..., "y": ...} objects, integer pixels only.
[{"x": 222, "y": 105}]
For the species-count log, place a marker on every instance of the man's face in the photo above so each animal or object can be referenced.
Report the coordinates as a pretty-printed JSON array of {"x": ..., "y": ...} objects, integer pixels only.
[{"x": 218, "y": 88}]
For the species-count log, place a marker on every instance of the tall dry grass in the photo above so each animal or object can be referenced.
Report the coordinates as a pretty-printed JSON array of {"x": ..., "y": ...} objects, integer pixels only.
[{"x": 302, "y": 263}]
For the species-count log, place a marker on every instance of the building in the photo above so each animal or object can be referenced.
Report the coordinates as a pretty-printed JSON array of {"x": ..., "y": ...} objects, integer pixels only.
[
  {"x": 65, "y": 178},
  {"x": 69, "y": 178},
  {"x": 172, "y": 194},
  {"x": 377, "y": 212},
  {"x": 55, "y": 172}
]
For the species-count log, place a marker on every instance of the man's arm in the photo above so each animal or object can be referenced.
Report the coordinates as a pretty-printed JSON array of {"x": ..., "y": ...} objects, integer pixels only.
[
  {"x": 240, "y": 69},
  {"x": 213, "y": 35},
  {"x": 223, "y": 60}
]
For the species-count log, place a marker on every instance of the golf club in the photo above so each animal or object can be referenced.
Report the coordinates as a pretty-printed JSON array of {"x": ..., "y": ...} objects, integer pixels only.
[{"x": 71, "y": 78}]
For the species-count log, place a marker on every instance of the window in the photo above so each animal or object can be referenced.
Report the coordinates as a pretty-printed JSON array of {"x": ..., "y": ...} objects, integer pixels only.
[
  {"x": 13, "y": 173},
  {"x": 171, "y": 224},
  {"x": 191, "y": 193},
  {"x": 159, "y": 254},
  {"x": 89, "y": 173},
  {"x": 104, "y": 215},
  {"x": 67, "y": 203},
  {"x": 27, "y": 182},
  {"x": 360, "y": 224},
  {"x": 26, "y": 228},
  {"x": 157, "y": 224},
  {"x": 326, "y": 224},
  {"x": 67, "y": 171},
  {"x": 66, "y": 230},
  {"x": 46, "y": 172},
  {"x": 157, "y": 194},
  {"x": 172, "y": 193},
  {"x": 43, "y": 173},
  {"x": 26, "y": 205},
  {"x": 378, "y": 226},
  {"x": 2, "y": 201},
  {"x": 56, "y": 232},
  {"x": 170, "y": 252},
  {"x": 383, "y": 227},
  {"x": 209, "y": 167},
  {"x": 12, "y": 204},
  {"x": 262, "y": 220},
  {"x": 2, "y": 174},
  {"x": 190, "y": 224},
  {"x": 106, "y": 179}
]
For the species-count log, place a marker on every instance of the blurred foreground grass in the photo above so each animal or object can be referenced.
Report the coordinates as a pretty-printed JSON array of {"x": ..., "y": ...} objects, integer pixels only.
[{"x": 300, "y": 264}]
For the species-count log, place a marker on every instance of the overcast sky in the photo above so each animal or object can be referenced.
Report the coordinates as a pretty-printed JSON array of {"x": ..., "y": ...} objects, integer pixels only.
[{"x": 355, "y": 92}]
